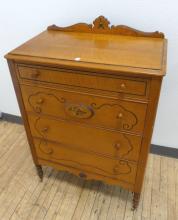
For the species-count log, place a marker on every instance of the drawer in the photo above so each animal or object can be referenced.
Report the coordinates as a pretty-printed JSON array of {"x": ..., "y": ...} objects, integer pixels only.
[
  {"x": 113, "y": 168},
  {"x": 134, "y": 86},
  {"x": 85, "y": 138},
  {"x": 85, "y": 108}
]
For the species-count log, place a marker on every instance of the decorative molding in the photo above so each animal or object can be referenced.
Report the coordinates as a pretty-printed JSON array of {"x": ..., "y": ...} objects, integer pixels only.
[
  {"x": 101, "y": 25},
  {"x": 39, "y": 101},
  {"x": 119, "y": 116}
]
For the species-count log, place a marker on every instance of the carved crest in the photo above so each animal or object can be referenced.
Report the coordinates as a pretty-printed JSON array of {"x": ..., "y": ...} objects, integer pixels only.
[{"x": 102, "y": 26}]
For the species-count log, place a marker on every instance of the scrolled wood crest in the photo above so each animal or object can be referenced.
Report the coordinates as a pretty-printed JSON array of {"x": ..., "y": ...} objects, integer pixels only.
[{"x": 101, "y": 25}]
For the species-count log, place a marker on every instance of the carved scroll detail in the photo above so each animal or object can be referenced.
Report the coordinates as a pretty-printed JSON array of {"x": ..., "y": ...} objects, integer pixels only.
[
  {"x": 125, "y": 124},
  {"x": 102, "y": 25},
  {"x": 125, "y": 118},
  {"x": 37, "y": 106},
  {"x": 126, "y": 145},
  {"x": 117, "y": 169}
]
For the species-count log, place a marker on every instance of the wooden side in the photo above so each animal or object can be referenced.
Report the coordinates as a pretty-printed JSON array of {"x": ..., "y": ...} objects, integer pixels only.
[
  {"x": 149, "y": 124},
  {"x": 13, "y": 72}
]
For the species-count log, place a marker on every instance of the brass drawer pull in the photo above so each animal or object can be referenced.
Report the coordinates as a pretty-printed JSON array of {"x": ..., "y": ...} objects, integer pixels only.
[
  {"x": 82, "y": 175},
  {"x": 79, "y": 111}
]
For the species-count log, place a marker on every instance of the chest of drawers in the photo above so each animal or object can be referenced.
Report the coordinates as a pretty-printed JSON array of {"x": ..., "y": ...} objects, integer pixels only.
[{"x": 88, "y": 96}]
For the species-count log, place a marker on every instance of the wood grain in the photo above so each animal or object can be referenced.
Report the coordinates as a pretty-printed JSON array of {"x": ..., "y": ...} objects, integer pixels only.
[
  {"x": 101, "y": 52},
  {"x": 88, "y": 96},
  {"x": 49, "y": 199}
]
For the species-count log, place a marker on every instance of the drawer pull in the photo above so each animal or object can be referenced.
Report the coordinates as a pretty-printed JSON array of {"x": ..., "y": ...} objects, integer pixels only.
[
  {"x": 123, "y": 86},
  {"x": 40, "y": 101},
  {"x": 79, "y": 111},
  {"x": 120, "y": 115},
  {"x": 44, "y": 130},
  {"x": 116, "y": 169},
  {"x": 35, "y": 75},
  {"x": 117, "y": 146},
  {"x": 82, "y": 175}
]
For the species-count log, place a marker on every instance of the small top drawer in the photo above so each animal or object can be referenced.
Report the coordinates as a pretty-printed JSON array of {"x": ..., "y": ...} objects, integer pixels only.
[{"x": 133, "y": 86}]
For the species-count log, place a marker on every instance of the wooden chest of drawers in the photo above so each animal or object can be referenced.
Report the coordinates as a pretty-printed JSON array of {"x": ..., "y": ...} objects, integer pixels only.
[{"x": 88, "y": 96}]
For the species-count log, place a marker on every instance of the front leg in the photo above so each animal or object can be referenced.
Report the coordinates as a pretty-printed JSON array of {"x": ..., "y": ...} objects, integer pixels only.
[
  {"x": 136, "y": 199},
  {"x": 39, "y": 172}
]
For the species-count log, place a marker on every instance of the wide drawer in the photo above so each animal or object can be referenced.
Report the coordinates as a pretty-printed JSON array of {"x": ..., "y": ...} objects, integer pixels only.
[
  {"x": 85, "y": 138},
  {"x": 116, "y": 169},
  {"x": 85, "y": 108},
  {"x": 134, "y": 86}
]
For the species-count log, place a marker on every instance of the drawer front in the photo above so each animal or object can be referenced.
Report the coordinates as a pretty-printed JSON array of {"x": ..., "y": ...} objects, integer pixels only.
[
  {"x": 91, "y": 140},
  {"x": 98, "y": 111},
  {"x": 121, "y": 85},
  {"x": 116, "y": 169}
]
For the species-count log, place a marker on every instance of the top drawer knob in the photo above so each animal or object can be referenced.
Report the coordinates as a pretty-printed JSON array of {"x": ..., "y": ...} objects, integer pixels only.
[
  {"x": 123, "y": 86},
  {"x": 35, "y": 74}
]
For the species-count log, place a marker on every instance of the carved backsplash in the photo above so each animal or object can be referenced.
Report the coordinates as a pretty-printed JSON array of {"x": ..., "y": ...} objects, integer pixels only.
[{"x": 102, "y": 25}]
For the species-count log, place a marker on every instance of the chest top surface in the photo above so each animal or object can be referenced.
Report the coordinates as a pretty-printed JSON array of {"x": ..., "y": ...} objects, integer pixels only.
[{"x": 98, "y": 46}]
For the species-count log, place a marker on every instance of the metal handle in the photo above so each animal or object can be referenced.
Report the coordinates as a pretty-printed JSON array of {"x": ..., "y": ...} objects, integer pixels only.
[{"x": 79, "y": 111}]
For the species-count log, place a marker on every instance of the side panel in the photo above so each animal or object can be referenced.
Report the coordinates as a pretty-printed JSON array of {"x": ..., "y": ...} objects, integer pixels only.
[
  {"x": 13, "y": 71},
  {"x": 148, "y": 130}
]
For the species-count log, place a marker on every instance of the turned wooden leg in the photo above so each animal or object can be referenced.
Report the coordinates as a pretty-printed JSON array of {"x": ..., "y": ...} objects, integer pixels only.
[
  {"x": 136, "y": 198},
  {"x": 39, "y": 172}
]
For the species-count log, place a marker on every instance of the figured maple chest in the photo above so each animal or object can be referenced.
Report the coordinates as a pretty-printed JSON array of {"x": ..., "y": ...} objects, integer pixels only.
[{"x": 88, "y": 96}]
